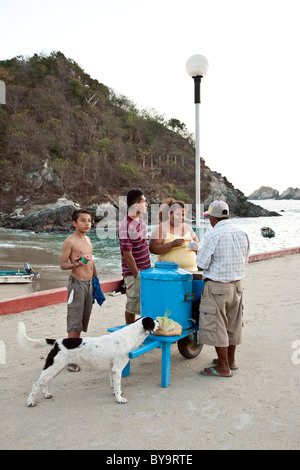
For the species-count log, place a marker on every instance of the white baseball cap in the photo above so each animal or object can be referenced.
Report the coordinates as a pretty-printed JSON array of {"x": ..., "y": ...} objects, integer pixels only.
[{"x": 218, "y": 209}]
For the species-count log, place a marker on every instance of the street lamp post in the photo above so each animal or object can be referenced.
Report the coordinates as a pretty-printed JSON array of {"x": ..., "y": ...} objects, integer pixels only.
[{"x": 196, "y": 67}]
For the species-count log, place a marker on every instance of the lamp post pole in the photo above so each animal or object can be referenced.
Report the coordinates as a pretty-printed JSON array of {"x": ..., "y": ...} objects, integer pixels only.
[
  {"x": 197, "y": 66},
  {"x": 197, "y": 82}
]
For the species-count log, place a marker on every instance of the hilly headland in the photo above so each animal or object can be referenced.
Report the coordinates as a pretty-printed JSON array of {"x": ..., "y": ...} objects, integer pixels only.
[{"x": 67, "y": 140}]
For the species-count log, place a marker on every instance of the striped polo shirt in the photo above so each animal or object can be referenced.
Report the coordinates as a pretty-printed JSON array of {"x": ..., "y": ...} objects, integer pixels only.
[{"x": 133, "y": 237}]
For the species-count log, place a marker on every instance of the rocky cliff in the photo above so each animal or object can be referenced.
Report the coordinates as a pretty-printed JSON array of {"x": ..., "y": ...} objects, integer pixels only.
[
  {"x": 290, "y": 193},
  {"x": 266, "y": 192}
]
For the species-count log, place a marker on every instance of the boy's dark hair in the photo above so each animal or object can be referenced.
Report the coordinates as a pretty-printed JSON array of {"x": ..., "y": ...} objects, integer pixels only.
[
  {"x": 133, "y": 196},
  {"x": 77, "y": 213}
]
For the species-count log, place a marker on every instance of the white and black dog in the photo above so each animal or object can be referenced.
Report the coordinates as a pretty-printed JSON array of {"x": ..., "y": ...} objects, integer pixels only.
[{"x": 108, "y": 352}]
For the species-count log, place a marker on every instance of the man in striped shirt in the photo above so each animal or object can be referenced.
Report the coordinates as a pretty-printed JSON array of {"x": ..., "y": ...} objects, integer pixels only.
[
  {"x": 222, "y": 255},
  {"x": 134, "y": 250}
]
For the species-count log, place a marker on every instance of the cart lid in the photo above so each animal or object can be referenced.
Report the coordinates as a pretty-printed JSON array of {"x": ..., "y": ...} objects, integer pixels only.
[{"x": 166, "y": 271}]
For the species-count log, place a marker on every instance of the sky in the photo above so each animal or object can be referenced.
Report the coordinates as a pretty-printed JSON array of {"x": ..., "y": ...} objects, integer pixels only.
[{"x": 250, "y": 96}]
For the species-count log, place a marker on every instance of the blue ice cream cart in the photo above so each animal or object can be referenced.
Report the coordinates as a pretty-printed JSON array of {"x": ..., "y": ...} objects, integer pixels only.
[{"x": 168, "y": 287}]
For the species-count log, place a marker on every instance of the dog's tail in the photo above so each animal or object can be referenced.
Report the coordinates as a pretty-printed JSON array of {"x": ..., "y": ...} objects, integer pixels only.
[{"x": 26, "y": 342}]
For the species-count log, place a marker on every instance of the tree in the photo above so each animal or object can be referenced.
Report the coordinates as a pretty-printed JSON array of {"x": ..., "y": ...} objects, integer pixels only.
[{"x": 177, "y": 126}]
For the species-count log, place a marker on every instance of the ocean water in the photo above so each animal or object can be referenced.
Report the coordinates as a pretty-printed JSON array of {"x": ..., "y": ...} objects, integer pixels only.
[{"x": 46, "y": 247}]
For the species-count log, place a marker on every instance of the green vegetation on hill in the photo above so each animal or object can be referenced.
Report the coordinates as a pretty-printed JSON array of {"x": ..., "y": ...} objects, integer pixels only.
[{"x": 63, "y": 132}]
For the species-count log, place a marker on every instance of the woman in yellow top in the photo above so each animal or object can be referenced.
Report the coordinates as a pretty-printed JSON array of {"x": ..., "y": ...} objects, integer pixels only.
[{"x": 174, "y": 240}]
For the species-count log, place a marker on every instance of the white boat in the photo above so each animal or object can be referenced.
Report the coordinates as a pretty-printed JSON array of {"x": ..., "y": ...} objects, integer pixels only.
[
  {"x": 15, "y": 277},
  {"x": 18, "y": 277}
]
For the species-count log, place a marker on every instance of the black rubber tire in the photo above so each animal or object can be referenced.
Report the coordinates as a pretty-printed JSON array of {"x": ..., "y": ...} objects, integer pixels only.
[{"x": 188, "y": 349}]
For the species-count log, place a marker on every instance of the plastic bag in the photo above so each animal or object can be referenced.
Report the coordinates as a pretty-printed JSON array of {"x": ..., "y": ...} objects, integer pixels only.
[{"x": 167, "y": 326}]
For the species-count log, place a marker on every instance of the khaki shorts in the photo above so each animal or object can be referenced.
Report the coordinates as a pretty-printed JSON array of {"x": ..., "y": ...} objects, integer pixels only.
[
  {"x": 80, "y": 303},
  {"x": 133, "y": 294},
  {"x": 221, "y": 314}
]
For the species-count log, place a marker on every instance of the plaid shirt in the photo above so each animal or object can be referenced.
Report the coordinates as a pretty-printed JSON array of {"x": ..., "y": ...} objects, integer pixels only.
[{"x": 223, "y": 253}]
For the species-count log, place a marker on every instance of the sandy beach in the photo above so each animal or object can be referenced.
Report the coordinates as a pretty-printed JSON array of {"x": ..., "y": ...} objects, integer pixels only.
[{"x": 258, "y": 408}]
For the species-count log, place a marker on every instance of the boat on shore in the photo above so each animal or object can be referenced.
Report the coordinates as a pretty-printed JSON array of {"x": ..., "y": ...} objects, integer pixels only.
[{"x": 19, "y": 276}]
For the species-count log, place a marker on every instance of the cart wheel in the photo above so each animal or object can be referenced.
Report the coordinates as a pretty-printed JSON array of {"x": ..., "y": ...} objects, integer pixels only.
[{"x": 188, "y": 349}]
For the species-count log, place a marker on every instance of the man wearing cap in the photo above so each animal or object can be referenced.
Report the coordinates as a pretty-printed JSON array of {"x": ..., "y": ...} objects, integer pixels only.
[{"x": 222, "y": 255}]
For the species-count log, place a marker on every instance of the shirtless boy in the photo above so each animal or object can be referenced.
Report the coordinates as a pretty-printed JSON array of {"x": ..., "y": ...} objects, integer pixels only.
[{"x": 80, "y": 289}]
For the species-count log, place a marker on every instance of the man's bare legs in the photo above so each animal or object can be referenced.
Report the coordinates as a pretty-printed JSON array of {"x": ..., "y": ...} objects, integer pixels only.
[
  {"x": 226, "y": 359},
  {"x": 231, "y": 358}
]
